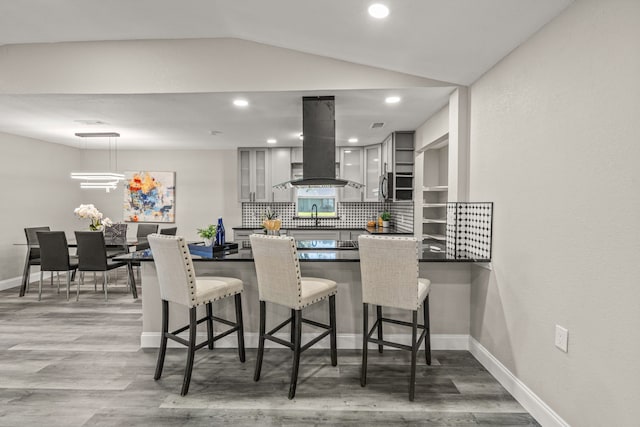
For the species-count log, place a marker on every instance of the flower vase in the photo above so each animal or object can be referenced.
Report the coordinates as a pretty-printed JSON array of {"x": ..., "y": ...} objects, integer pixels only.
[
  {"x": 208, "y": 241},
  {"x": 385, "y": 224}
]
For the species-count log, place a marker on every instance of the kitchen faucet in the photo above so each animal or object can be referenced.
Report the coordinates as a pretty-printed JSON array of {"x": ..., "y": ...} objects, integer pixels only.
[{"x": 314, "y": 208}]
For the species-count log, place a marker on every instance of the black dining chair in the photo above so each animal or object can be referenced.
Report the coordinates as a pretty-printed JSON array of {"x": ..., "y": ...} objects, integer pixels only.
[
  {"x": 171, "y": 231},
  {"x": 141, "y": 235},
  {"x": 54, "y": 256},
  {"x": 92, "y": 256},
  {"x": 115, "y": 238},
  {"x": 33, "y": 255}
]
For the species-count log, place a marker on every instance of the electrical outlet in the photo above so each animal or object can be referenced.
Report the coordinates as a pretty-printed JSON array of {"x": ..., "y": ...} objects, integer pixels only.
[{"x": 562, "y": 338}]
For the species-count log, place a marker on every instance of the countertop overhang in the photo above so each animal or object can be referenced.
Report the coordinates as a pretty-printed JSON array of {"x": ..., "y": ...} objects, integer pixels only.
[{"x": 307, "y": 255}]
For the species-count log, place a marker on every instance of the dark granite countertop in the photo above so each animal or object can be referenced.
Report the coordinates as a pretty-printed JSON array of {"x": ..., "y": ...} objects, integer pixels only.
[
  {"x": 370, "y": 230},
  {"x": 308, "y": 255}
]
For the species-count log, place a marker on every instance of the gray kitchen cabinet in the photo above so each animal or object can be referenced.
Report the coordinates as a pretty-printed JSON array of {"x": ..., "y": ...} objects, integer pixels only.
[
  {"x": 254, "y": 183},
  {"x": 351, "y": 168},
  {"x": 281, "y": 172}
]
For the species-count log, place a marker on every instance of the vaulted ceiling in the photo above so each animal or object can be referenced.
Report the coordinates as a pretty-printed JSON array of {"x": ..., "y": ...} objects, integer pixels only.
[{"x": 453, "y": 41}]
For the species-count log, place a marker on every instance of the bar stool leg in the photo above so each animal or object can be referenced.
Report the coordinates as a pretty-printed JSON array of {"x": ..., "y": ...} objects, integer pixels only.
[
  {"x": 193, "y": 325},
  {"x": 293, "y": 331},
  {"x": 414, "y": 351},
  {"x": 209, "y": 326},
  {"x": 240, "y": 324},
  {"x": 332, "y": 325},
  {"x": 296, "y": 354},
  {"x": 163, "y": 340},
  {"x": 80, "y": 279},
  {"x": 68, "y": 283},
  {"x": 427, "y": 327},
  {"x": 365, "y": 332},
  {"x": 379, "y": 317},
  {"x": 256, "y": 375}
]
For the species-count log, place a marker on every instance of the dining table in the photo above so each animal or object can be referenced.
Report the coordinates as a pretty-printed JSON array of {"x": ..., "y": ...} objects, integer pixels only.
[{"x": 70, "y": 244}]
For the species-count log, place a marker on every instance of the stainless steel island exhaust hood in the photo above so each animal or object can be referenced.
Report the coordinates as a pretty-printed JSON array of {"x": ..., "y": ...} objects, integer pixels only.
[{"x": 318, "y": 146}]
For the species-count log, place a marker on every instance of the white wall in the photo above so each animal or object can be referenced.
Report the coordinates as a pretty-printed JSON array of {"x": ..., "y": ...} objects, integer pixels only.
[
  {"x": 206, "y": 186},
  {"x": 554, "y": 144},
  {"x": 36, "y": 191}
]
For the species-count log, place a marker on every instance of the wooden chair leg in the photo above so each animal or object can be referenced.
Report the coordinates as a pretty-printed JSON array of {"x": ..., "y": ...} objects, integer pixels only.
[
  {"x": 80, "y": 279},
  {"x": 332, "y": 325},
  {"x": 379, "y": 317},
  {"x": 296, "y": 354},
  {"x": 209, "y": 326},
  {"x": 256, "y": 375},
  {"x": 365, "y": 331},
  {"x": 193, "y": 325},
  {"x": 163, "y": 340},
  {"x": 414, "y": 351},
  {"x": 293, "y": 331},
  {"x": 427, "y": 327},
  {"x": 239, "y": 322}
]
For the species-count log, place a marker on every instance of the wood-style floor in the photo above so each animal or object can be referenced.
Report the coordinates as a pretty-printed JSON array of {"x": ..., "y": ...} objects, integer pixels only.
[{"x": 79, "y": 363}]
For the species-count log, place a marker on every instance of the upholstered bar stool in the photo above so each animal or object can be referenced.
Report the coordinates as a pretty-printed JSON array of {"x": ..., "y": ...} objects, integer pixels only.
[
  {"x": 389, "y": 269},
  {"x": 280, "y": 282},
  {"x": 179, "y": 284}
]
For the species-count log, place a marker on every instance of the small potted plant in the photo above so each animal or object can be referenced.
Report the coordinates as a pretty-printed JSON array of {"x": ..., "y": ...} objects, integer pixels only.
[
  {"x": 208, "y": 234},
  {"x": 386, "y": 217},
  {"x": 271, "y": 222}
]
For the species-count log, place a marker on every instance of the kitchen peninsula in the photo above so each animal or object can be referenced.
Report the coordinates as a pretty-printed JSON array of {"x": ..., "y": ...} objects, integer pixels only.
[{"x": 450, "y": 277}]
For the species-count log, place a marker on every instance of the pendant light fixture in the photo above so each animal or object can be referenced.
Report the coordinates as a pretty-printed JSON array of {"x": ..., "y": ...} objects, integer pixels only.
[{"x": 102, "y": 180}]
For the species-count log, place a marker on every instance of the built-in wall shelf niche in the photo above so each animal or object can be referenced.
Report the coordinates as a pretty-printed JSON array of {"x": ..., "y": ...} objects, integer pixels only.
[{"x": 435, "y": 192}]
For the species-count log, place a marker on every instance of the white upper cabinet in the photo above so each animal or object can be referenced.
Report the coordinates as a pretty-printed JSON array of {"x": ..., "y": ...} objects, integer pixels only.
[
  {"x": 254, "y": 183},
  {"x": 372, "y": 172},
  {"x": 351, "y": 168},
  {"x": 281, "y": 172}
]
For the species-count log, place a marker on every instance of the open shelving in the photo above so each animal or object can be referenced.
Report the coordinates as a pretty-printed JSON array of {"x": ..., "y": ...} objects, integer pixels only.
[{"x": 435, "y": 192}]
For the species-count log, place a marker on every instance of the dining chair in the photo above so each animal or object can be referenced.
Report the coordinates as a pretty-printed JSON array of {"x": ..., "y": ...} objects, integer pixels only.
[
  {"x": 389, "y": 272},
  {"x": 115, "y": 239},
  {"x": 92, "y": 256},
  {"x": 33, "y": 255},
  {"x": 179, "y": 284},
  {"x": 141, "y": 235},
  {"x": 54, "y": 256},
  {"x": 280, "y": 282},
  {"x": 171, "y": 231}
]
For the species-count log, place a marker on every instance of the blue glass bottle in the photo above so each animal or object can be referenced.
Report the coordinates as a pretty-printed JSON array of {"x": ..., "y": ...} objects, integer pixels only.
[{"x": 220, "y": 240}]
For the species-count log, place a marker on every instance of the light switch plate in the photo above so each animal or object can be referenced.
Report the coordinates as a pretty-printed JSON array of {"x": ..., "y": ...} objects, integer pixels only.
[{"x": 562, "y": 338}]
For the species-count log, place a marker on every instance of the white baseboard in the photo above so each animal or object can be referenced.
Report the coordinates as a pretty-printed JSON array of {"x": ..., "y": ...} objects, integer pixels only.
[
  {"x": 344, "y": 341},
  {"x": 523, "y": 394},
  {"x": 15, "y": 282}
]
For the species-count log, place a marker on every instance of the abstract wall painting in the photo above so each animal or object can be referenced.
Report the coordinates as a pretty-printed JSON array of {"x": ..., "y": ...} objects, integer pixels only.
[{"x": 149, "y": 196}]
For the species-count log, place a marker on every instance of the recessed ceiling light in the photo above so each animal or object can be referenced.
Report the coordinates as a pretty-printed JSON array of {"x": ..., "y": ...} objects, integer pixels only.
[
  {"x": 375, "y": 160},
  {"x": 378, "y": 10},
  {"x": 349, "y": 164},
  {"x": 392, "y": 99},
  {"x": 271, "y": 141},
  {"x": 240, "y": 102},
  {"x": 353, "y": 140},
  {"x": 347, "y": 151}
]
